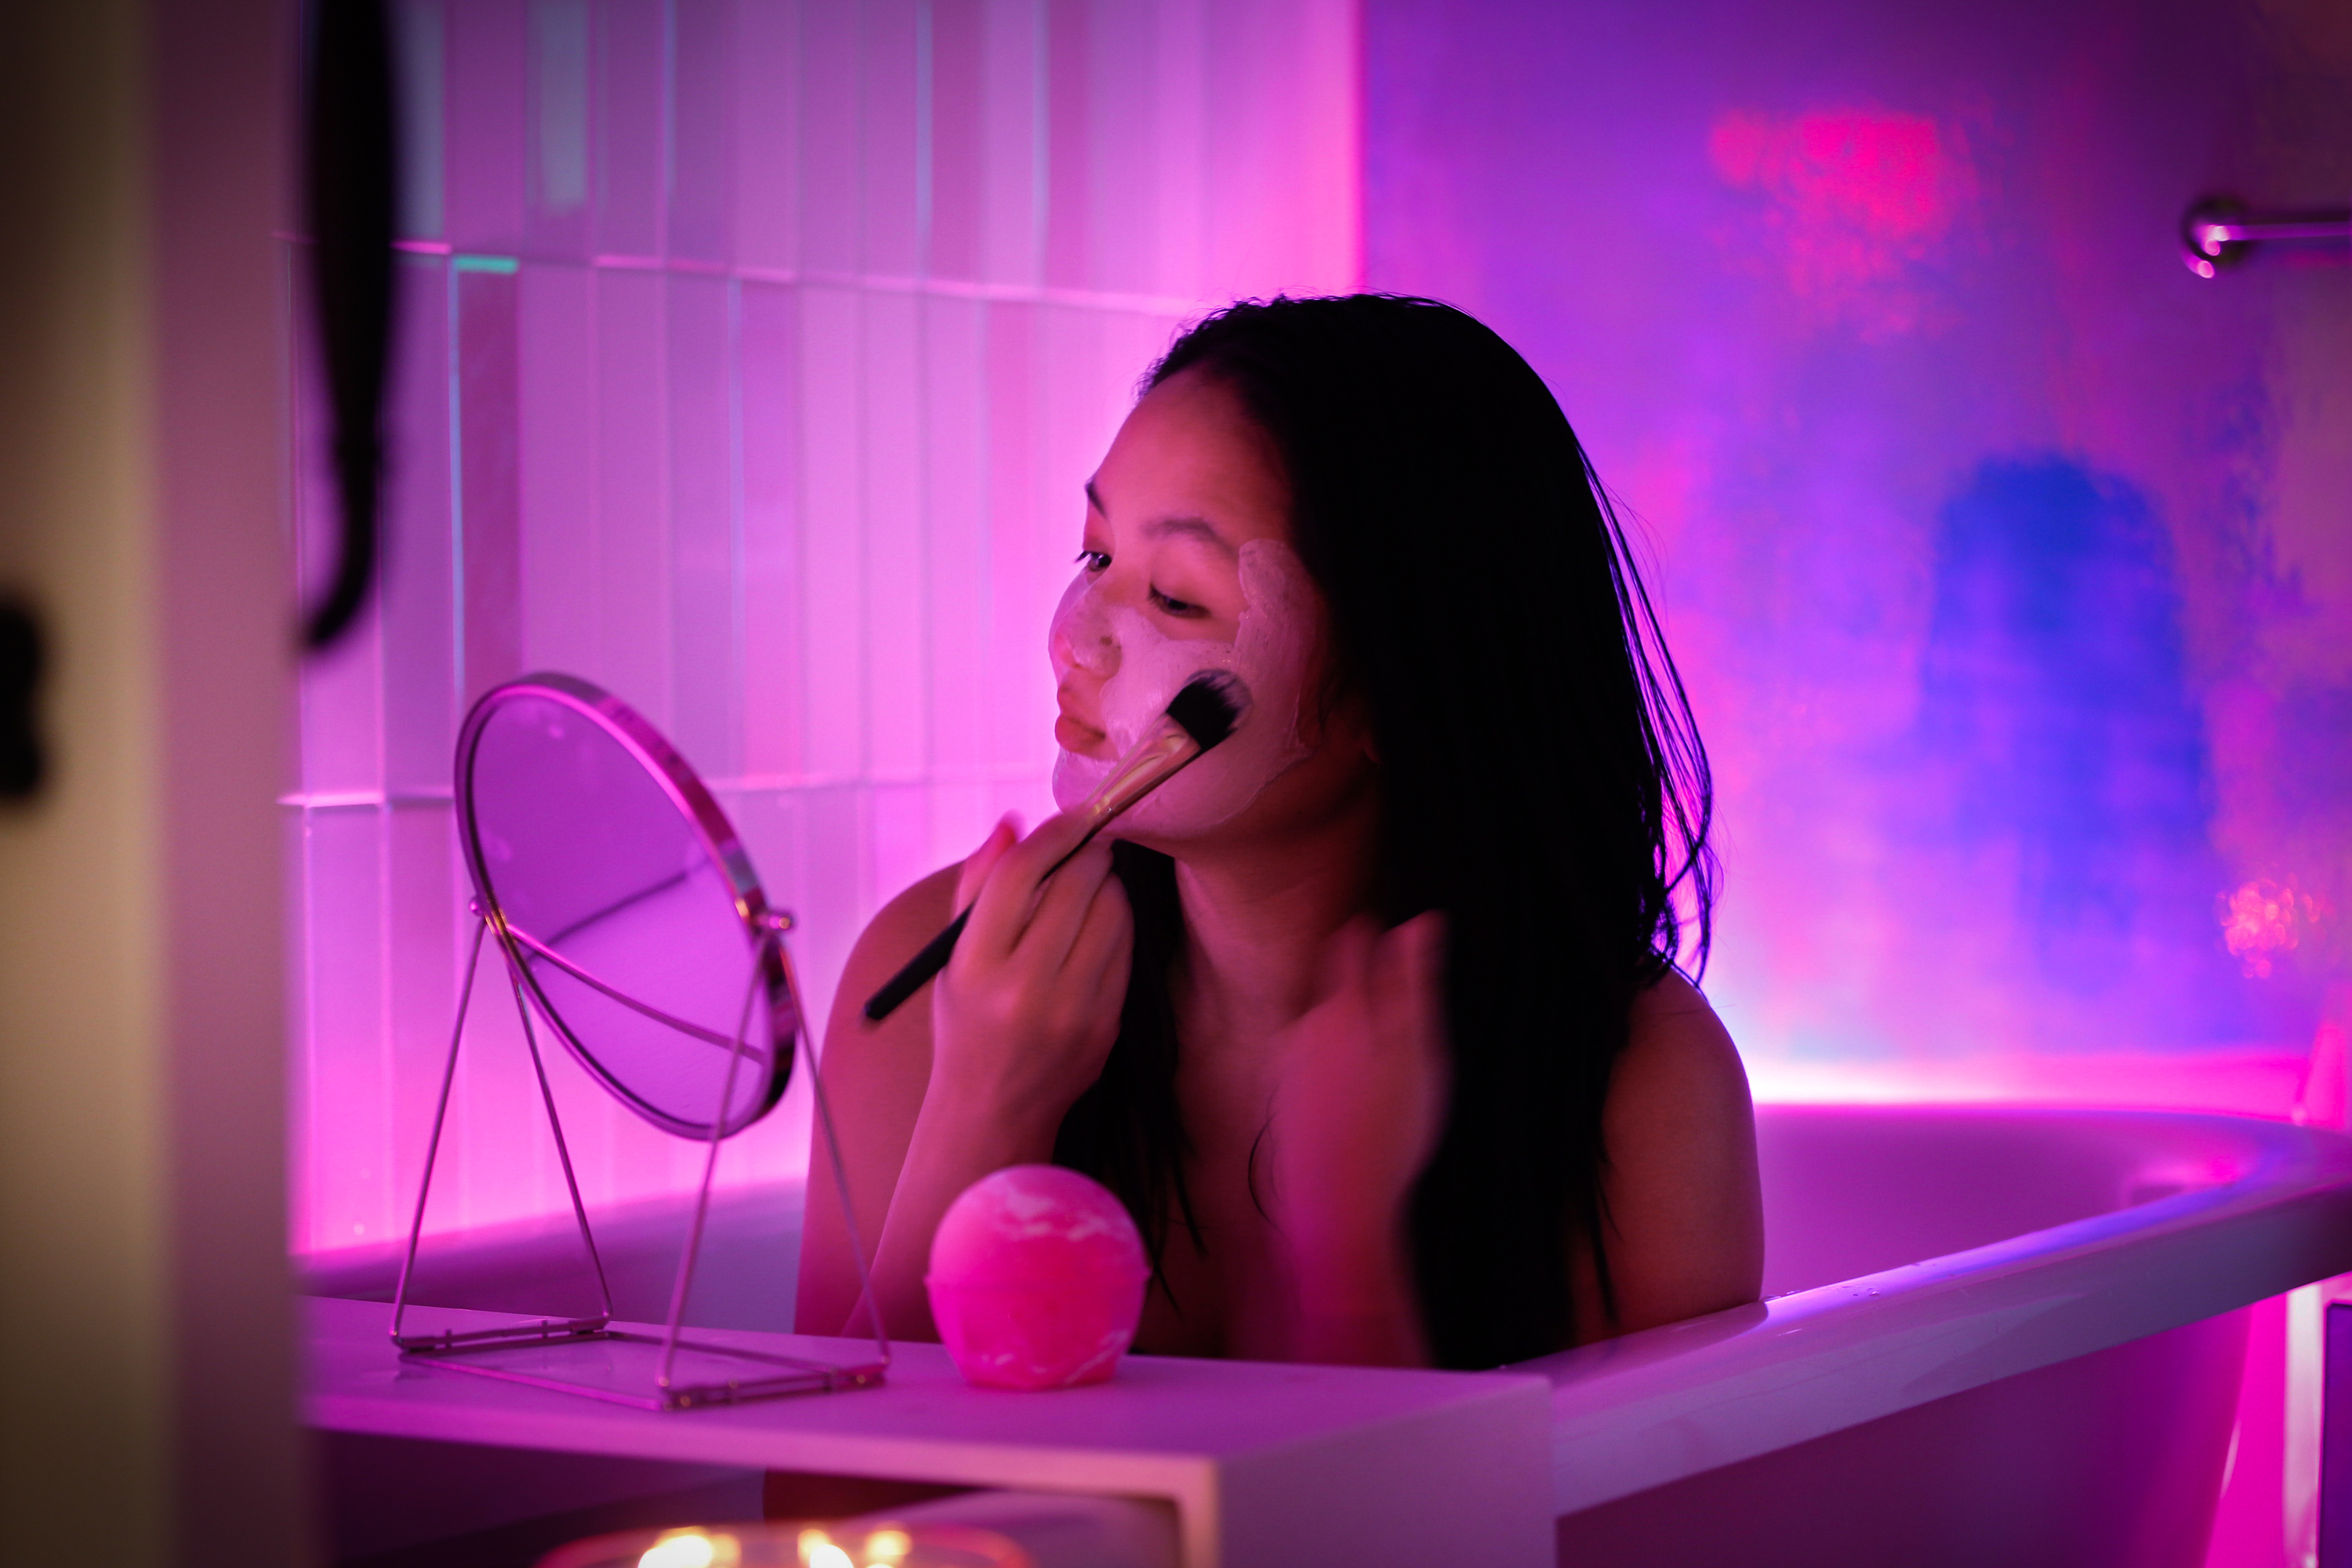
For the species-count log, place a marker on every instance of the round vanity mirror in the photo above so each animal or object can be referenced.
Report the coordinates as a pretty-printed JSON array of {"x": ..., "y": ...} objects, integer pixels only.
[{"x": 625, "y": 904}]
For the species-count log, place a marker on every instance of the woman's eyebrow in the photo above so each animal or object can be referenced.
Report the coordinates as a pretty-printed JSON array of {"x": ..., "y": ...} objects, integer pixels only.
[{"x": 1199, "y": 527}]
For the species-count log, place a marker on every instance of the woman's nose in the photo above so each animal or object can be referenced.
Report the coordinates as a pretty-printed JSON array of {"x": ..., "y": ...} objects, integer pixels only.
[{"x": 1084, "y": 641}]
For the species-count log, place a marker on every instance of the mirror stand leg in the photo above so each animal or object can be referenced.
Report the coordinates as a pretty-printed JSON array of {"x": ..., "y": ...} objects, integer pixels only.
[
  {"x": 867, "y": 1299},
  {"x": 562, "y": 1150},
  {"x": 440, "y": 1113},
  {"x": 693, "y": 1250}
]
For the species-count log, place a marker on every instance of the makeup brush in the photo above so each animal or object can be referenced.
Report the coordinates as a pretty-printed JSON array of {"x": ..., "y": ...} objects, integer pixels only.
[{"x": 1201, "y": 715}]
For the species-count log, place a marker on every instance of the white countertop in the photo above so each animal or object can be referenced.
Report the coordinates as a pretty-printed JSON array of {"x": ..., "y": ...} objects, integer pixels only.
[{"x": 1263, "y": 1461}]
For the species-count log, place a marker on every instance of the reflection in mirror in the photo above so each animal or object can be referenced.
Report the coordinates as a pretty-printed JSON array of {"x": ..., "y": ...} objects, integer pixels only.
[{"x": 636, "y": 927}]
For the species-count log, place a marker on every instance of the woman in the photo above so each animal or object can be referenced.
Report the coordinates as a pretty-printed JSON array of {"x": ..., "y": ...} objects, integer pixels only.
[{"x": 1378, "y": 1032}]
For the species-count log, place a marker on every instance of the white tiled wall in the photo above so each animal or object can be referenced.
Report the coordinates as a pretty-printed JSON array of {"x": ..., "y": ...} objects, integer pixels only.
[{"x": 752, "y": 356}]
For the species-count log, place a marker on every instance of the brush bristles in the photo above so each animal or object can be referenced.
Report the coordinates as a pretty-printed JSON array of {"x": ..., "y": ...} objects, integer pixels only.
[{"x": 1209, "y": 707}]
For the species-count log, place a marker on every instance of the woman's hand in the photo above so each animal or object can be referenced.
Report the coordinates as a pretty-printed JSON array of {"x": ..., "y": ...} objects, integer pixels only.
[
  {"x": 1022, "y": 1020},
  {"x": 1024, "y": 1014},
  {"x": 1358, "y": 1111}
]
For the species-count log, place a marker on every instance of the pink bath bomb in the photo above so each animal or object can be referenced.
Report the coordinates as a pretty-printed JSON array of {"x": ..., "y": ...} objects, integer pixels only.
[{"x": 1036, "y": 1279}]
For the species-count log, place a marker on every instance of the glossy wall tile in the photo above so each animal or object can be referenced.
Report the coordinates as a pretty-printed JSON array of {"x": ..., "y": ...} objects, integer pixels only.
[{"x": 751, "y": 354}]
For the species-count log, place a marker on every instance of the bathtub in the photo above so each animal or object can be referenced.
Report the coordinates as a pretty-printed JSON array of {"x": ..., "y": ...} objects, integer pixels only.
[
  {"x": 1991, "y": 1335},
  {"x": 1994, "y": 1335}
]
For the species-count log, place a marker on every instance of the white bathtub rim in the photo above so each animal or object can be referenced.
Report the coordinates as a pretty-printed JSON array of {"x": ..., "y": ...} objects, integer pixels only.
[{"x": 1656, "y": 1406}]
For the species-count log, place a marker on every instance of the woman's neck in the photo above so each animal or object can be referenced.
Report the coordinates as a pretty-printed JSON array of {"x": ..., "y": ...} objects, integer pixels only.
[{"x": 1256, "y": 916}]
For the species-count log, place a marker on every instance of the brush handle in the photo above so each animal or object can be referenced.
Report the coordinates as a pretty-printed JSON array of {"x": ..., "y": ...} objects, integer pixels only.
[
  {"x": 919, "y": 969},
  {"x": 1158, "y": 757},
  {"x": 940, "y": 948}
]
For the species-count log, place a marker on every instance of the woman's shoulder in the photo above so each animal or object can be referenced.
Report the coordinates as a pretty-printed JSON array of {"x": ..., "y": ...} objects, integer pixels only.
[
  {"x": 1673, "y": 1018},
  {"x": 918, "y": 912},
  {"x": 895, "y": 933},
  {"x": 892, "y": 936},
  {"x": 1679, "y": 1063},
  {"x": 1686, "y": 1217}
]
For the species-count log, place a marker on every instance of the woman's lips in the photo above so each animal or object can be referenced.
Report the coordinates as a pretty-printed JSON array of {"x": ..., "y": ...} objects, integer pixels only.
[{"x": 1083, "y": 739}]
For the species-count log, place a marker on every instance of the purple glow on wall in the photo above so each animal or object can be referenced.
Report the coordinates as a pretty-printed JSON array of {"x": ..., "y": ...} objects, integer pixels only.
[
  {"x": 751, "y": 359},
  {"x": 1850, "y": 204},
  {"x": 1996, "y": 549},
  {"x": 2005, "y": 558}
]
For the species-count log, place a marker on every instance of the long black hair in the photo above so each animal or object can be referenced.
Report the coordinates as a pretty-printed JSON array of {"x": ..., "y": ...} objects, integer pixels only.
[{"x": 1541, "y": 783}]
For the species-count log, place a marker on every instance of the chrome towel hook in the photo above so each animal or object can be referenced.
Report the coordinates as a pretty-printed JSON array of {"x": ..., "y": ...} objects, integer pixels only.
[{"x": 2218, "y": 232}]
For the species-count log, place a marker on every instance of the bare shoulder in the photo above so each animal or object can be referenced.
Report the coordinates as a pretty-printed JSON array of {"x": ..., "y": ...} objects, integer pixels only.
[
  {"x": 895, "y": 933},
  {"x": 877, "y": 1072},
  {"x": 1685, "y": 1212},
  {"x": 1676, "y": 1049},
  {"x": 924, "y": 907}
]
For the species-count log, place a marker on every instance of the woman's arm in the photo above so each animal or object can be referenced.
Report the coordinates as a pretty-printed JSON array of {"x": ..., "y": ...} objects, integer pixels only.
[
  {"x": 1684, "y": 1216},
  {"x": 873, "y": 1080},
  {"x": 1019, "y": 1024}
]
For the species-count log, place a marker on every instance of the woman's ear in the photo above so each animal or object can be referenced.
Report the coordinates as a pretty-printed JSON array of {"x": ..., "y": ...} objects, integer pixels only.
[
  {"x": 1340, "y": 707},
  {"x": 1352, "y": 711}
]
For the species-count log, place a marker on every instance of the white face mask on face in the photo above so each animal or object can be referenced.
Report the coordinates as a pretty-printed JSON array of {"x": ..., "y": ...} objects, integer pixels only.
[{"x": 1142, "y": 668}]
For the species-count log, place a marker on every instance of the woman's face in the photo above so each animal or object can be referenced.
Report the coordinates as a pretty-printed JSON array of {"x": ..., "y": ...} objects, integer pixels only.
[{"x": 1186, "y": 563}]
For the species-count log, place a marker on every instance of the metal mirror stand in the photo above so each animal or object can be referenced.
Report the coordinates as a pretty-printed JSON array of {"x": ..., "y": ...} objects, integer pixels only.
[{"x": 765, "y": 1374}]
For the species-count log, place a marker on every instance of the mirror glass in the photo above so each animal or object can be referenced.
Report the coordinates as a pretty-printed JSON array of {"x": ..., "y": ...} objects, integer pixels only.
[{"x": 626, "y": 903}]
